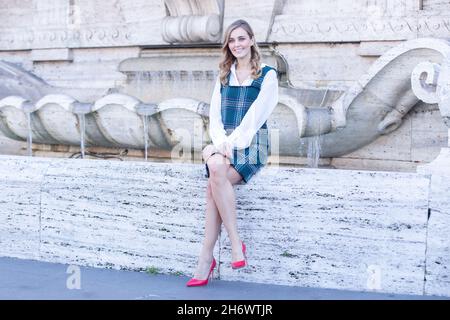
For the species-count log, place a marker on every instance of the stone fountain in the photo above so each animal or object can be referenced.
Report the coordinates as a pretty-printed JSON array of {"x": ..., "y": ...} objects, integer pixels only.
[{"x": 343, "y": 121}]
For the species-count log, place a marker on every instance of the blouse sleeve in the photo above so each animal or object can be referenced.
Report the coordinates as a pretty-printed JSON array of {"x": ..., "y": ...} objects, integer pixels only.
[
  {"x": 257, "y": 114},
  {"x": 216, "y": 128}
]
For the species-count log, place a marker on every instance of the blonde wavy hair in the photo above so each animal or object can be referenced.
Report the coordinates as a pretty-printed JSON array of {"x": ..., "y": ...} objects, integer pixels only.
[{"x": 228, "y": 58}]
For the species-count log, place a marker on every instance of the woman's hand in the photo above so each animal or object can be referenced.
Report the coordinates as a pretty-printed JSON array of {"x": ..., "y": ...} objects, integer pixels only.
[
  {"x": 226, "y": 150},
  {"x": 207, "y": 151}
]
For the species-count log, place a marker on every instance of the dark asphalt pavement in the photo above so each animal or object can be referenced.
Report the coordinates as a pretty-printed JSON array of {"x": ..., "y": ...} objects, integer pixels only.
[{"x": 28, "y": 279}]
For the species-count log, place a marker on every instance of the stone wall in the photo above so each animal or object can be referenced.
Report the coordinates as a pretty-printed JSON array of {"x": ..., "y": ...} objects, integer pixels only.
[{"x": 355, "y": 230}]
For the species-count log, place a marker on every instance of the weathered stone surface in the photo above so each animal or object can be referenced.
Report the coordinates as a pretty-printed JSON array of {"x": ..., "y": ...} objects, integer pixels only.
[
  {"x": 326, "y": 228},
  {"x": 12, "y": 147},
  {"x": 437, "y": 262},
  {"x": 193, "y": 21},
  {"x": 417, "y": 141},
  {"x": 62, "y": 23},
  {"x": 91, "y": 73},
  {"x": 438, "y": 251},
  {"x": 312, "y": 240},
  {"x": 86, "y": 23},
  {"x": 15, "y": 81},
  {"x": 346, "y": 20},
  {"x": 258, "y": 13},
  {"x": 375, "y": 48},
  {"x": 434, "y": 5},
  {"x": 20, "y": 204},
  {"x": 334, "y": 66},
  {"x": 51, "y": 55},
  {"x": 428, "y": 134}
]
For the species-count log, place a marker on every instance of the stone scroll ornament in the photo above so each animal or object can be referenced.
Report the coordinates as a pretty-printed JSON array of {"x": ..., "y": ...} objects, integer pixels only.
[
  {"x": 377, "y": 103},
  {"x": 431, "y": 83},
  {"x": 193, "y": 21}
]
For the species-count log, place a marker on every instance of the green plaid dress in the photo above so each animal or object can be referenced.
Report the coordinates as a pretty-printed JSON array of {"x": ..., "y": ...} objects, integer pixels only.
[{"x": 236, "y": 100}]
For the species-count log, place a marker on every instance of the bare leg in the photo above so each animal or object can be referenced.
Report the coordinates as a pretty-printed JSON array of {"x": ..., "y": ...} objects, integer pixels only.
[
  {"x": 212, "y": 229},
  {"x": 213, "y": 222},
  {"x": 225, "y": 200}
]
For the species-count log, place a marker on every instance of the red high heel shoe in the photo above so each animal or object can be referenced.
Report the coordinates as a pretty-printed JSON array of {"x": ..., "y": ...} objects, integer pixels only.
[
  {"x": 198, "y": 282},
  {"x": 241, "y": 263}
]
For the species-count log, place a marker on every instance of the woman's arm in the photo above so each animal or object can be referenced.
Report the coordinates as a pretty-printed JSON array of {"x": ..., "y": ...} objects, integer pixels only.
[
  {"x": 257, "y": 114},
  {"x": 216, "y": 129}
]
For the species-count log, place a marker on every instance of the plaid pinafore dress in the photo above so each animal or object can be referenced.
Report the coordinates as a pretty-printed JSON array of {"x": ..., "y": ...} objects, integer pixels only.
[{"x": 236, "y": 100}]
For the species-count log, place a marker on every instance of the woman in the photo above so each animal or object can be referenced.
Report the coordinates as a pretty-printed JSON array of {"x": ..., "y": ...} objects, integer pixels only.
[{"x": 245, "y": 95}]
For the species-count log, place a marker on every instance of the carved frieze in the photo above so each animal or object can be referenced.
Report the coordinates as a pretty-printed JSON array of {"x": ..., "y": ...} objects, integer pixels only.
[
  {"x": 371, "y": 20},
  {"x": 44, "y": 24}
]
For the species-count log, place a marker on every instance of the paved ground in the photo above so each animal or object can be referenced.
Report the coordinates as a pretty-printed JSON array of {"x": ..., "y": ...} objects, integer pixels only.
[{"x": 27, "y": 279}]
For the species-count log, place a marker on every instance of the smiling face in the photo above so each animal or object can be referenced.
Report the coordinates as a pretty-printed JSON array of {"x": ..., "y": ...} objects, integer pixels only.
[{"x": 240, "y": 43}]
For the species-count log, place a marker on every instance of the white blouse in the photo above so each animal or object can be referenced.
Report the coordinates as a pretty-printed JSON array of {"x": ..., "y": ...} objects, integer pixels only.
[{"x": 257, "y": 114}]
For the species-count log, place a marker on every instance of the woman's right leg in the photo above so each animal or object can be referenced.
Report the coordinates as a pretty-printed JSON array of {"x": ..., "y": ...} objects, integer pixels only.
[
  {"x": 213, "y": 224},
  {"x": 225, "y": 199}
]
